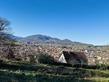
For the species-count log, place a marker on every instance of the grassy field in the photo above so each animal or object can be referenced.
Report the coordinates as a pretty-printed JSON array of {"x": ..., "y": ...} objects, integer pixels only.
[{"x": 14, "y": 71}]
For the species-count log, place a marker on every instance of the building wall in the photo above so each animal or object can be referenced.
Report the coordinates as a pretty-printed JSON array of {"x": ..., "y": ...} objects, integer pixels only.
[{"x": 62, "y": 59}]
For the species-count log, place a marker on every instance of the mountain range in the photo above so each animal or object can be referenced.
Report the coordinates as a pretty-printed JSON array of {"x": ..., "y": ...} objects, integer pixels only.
[{"x": 42, "y": 38}]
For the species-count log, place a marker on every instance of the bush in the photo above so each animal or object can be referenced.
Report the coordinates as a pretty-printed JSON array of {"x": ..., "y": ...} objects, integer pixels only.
[
  {"x": 10, "y": 54},
  {"x": 46, "y": 59}
]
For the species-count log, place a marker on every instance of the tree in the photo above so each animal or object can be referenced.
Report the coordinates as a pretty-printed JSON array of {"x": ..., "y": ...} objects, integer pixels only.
[
  {"x": 4, "y": 30},
  {"x": 45, "y": 58},
  {"x": 3, "y": 24},
  {"x": 4, "y": 27},
  {"x": 10, "y": 54}
]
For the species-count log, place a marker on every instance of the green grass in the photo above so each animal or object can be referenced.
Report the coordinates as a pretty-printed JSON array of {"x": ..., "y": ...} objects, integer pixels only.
[{"x": 14, "y": 71}]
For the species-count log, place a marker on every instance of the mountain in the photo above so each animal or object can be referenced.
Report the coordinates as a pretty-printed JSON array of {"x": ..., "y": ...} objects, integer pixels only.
[
  {"x": 44, "y": 38},
  {"x": 15, "y": 37},
  {"x": 67, "y": 40}
]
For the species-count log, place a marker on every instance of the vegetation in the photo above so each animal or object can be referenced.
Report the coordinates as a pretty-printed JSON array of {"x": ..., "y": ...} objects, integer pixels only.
[
  {"x": 45, "y": 58},
  {"x": 4, "y": 29},
  {"x": 15, "y": 71}
]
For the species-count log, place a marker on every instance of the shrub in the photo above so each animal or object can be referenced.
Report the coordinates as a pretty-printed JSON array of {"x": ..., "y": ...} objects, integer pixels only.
[
  {"x": 10, "y": 54},
  {"x": 46, "y": 59}
]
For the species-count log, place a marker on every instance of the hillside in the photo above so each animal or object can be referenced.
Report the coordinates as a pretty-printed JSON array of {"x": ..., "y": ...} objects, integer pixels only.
[
  {"x": 44, "y": 39},
  {"x": 14, "y": 71},
  {"x": 16, "y": 37}
]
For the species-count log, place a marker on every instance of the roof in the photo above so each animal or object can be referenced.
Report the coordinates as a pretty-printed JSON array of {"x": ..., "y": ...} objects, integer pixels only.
[{"x": 78, "y": 57}]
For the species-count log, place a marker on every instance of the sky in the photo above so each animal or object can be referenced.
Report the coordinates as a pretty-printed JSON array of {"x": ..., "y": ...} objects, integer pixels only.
[{"x": 84, "y": 21}]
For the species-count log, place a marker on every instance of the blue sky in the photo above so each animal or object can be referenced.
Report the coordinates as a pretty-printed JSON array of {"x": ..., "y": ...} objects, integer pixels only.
[{"x": 84, "y": 21}]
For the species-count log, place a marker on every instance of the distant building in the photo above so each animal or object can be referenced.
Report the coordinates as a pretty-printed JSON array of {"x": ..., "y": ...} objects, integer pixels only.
[{"x": 73, "y": 58}]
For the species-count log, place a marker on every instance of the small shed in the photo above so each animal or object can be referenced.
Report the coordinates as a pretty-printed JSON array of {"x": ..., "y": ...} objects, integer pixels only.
[{"x": 73, "y": 58}]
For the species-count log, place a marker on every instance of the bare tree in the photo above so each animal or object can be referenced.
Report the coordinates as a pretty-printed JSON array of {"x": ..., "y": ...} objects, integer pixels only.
[
  {"x": 5, "y": 37},
  {"x": 4, "y": 29},
  {"x": 3, "y": 24}
]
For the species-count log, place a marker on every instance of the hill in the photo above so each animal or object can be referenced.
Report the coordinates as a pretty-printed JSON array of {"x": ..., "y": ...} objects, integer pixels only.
[
  {"x": 16, "y": 37},
  {"x": 43, "y": 38},
  {"x": 16, "y": 71}
]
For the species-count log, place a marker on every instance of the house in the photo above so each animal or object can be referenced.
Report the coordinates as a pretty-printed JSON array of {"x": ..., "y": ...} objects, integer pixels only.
[{"x": 73, "y": 58}]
